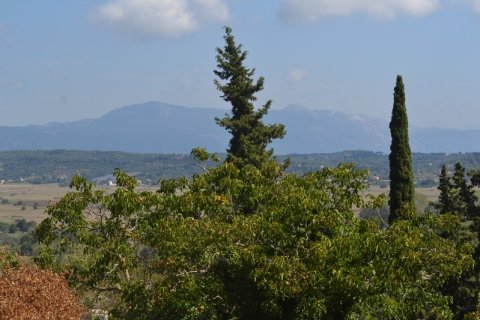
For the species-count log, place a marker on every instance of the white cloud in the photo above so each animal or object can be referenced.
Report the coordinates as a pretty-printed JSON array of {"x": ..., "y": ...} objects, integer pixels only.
[
  {"x": 475, "y": 5},
  {"x": 160, "y": 18},
  {"x": 308, "y": 11},
  {"x": 297, "y": 74}
]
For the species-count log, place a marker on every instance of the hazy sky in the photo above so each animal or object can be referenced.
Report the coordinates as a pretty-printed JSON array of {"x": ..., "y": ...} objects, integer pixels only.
[{"x": 68, "y": 60}]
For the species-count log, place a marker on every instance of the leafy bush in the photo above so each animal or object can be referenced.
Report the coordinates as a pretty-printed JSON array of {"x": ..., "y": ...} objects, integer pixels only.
[
  {"x": 4, "y": 226},
  {"x": 251, "y": 244},
  {"x": 13, "y": 228},
  {"x": 22, "y": 225}
]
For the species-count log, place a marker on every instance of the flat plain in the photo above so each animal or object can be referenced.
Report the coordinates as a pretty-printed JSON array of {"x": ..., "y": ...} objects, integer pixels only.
[
  {"x": 29, "y": 201},
  {"x": 423, "y": 196}
]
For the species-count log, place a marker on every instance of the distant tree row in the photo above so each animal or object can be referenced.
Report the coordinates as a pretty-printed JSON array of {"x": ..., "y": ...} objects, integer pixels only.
[
  {"x": 21, "y": 225},
  {"x": 61, "y": 165},
  {"x": 25, "y": 244}
]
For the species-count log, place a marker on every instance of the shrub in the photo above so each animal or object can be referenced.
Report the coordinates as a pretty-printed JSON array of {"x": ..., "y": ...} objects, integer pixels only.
[
  {"x": 13, "y": 228},
  {"x": 31, "y": 293}
]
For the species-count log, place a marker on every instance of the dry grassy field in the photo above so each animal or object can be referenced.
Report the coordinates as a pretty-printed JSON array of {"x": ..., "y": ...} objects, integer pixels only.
[
  {"x": 27, "y": 201},
  {"x": 423, "y": 196},
  {"x": 430, "y": 193}
]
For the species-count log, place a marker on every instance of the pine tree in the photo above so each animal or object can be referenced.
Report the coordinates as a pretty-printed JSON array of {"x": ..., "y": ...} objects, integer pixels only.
[
  {"x": 250, "y": 136},
  {"x": 445, "y": 199},
  {"x": 474, "y": 177},
  {"x": 465, "y": 197},
  {"x": 402, "y": 192}
]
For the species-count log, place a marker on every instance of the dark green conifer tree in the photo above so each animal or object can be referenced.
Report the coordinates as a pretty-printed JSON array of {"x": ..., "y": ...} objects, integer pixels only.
[
  {"x": 474, "y": 177},
  {"x": 445, "y": 199},
  {"x": 250, "y": 136},
  {"x": 465, "y": 197},
  {"x": 402, "y": 192}
]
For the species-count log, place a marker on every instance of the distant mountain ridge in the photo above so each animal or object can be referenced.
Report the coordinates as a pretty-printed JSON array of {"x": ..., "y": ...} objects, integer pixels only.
[{"x": 164, "y": 128}]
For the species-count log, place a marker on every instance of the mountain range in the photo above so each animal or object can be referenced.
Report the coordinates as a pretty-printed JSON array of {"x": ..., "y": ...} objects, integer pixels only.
[{"x": 155, "y": 127}]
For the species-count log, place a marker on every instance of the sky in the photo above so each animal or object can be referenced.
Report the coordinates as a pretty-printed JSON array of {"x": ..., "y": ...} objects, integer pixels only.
[{"x": 70, "y": 60}]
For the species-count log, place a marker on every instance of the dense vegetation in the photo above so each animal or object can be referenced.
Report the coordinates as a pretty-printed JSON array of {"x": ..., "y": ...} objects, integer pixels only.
[
  {"x": 18, "y": 236},
  {"x": 242, "y": 244},
  {"x": 61, "y": 165}
]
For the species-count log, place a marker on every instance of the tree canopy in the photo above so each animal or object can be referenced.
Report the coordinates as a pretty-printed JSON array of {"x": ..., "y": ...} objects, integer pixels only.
[
  {"x": 402, "y": 192},
  {"x": 250, "y": 136},
  {"x": 186, "y": 251},
  {"x": 445, "y": 203}
]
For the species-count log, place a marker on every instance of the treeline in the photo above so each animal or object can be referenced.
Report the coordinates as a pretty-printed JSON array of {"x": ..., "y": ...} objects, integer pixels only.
[
  {"x": 59, "y": 166},
  {"x": 18, "y": 236}
]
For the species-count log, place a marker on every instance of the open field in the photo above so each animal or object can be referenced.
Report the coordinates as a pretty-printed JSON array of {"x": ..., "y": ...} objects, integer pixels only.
[
  {"x": 423, "y": 196},
  {"x": 28, "y": 201},
  {"x": 431, "y": 194}
]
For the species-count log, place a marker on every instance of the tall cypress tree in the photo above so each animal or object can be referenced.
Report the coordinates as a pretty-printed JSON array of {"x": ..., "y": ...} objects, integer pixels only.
[
  {"x": 445, "y": 199},
  {"x": 250, "y": 136},
  {"x": 402, "y": 192}
]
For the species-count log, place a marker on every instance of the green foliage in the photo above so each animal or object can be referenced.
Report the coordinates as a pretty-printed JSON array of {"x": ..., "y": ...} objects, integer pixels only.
[
  {"x": 464, "y": 197},
  {"x": 445, "y": 200},
  {"x": 474, "y": 177},
  {"x": 7, "y": 259},
  {"x": 13, "y": 228},
  {"x": 457, "y": 194},
  {"x": 60, "y": 166},
  {"x": 252, "y": 244},
  {"x": 402, "y": 192},
  {"x": 24, "y": 226},
  {"x": 4, "y": 226},
  {"x": 201, "y": 154},
  {"x": 17, "y": 237},
  {"x": 458, "y": 198},
  {"x": 250, "y": 136}
]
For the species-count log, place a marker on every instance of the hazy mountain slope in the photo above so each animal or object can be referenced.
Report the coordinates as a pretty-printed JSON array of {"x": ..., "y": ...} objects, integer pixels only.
[
  {"x": 163, "y": 128},
  {"x": 445, "y": 140},
  {"x": 311, "y": 131}
]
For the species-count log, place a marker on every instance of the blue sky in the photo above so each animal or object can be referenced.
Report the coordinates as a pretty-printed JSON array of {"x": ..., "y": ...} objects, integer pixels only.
[{"x": 69, "y": 60}]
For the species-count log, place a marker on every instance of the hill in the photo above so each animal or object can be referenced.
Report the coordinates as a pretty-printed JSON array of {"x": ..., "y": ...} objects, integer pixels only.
[{"x": 155, "y": 127}]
